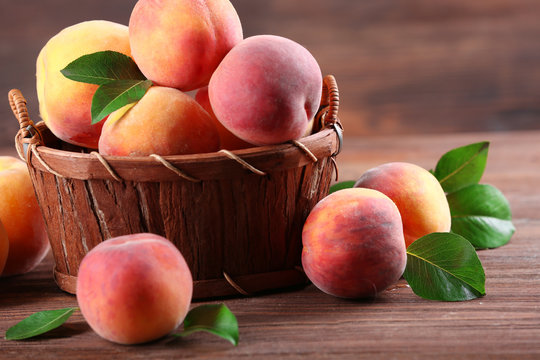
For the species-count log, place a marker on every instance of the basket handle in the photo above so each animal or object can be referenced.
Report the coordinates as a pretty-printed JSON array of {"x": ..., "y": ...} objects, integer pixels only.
[
  {"x": 28, "y": 134},
  {"x": 330, "y": 101},
  {"x": 328, "y": 112}
]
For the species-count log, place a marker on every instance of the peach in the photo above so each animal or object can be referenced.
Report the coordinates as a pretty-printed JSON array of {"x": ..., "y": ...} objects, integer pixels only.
[
  {"x": 179, "y": 43},
  {"x": 4, "y": 247},
  {"x": 227, "y": 139},
  {"x": 64, "y": 104},
  {"x": 353, "y": 244},
  {"x": 165, "y": 122},
  {"x": 134, "y": 288},
  {"x": 417, "y": 194},
  {"x": 266, "y": 90},
  {"x": 21, "y": 216}
]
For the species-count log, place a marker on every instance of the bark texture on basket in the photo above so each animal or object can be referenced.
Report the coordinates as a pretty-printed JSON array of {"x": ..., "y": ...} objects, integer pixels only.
[
  {"x": 250, "y": 225},
  {"x": 240, "y": 232}
]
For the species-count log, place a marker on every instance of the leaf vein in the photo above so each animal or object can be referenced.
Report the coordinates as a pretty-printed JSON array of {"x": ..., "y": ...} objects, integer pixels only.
[
  {"x": 426, "y": 261},
  {"x": 465, "y": 164}
]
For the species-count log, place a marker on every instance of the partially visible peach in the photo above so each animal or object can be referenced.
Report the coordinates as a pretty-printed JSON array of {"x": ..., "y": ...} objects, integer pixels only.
[
  {"x": 227, "y": 139},
  {"x": 4, "y": 247},
  {"x": 64, "y": 104},
  {"x": 266, "y": 90},
  {"x": 353, "y": 244},
  {"x": 417, "y": 194},
  {"x": 21, "y": 216},
  {"x": 134, "y": 288},
  {"x": 164, "y": 122},
  {"x": 179, "y": 43}
]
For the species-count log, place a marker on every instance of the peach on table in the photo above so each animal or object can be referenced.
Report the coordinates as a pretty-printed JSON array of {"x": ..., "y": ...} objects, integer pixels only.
[
  {"x": 353, "y": 244},
  {"x": 134, "y": 288},
  {"x": 4, "y": 247},
  {"x": 21, "y": 216},
  {"x": 416, "y": 192}
]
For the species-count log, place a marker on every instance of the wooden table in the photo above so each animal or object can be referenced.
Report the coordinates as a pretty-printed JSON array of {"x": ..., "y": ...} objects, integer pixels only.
[{"x": 306, "y": 323}]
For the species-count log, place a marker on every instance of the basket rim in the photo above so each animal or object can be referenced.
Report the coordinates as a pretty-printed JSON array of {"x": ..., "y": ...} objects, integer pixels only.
[{"x": 205, "y": 166}]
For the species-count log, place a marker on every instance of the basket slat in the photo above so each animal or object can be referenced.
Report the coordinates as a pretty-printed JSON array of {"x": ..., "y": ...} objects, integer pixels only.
[
  {"x": 211, "y": 166},
  {"x": 246, "y": 227}
]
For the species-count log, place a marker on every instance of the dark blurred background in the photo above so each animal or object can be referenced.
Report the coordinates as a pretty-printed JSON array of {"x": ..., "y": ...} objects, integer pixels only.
[{"x": 403, "y": 66}]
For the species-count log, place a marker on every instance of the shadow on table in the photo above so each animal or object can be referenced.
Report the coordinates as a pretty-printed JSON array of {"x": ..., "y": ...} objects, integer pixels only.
[{"x": 22, "y": 289}]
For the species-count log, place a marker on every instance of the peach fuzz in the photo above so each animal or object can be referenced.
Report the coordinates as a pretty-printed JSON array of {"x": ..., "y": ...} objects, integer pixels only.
[
  {"x": 164, "y": 122},
  {"x": 64, "y": 104},
  {"x": 179, "y": 43},
  {"x": 227, "y": 139},
  {"x": 21, "y": 216},
  {"x": 353, "y": 244},
  {"x": 417, "y": 194},
  {"x": 134, "y": 288},
  {"x": 266, "y": 90}
]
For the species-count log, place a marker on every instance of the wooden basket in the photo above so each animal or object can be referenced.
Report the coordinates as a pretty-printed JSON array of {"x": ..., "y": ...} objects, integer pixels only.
[{"x": 236, "y": 216}]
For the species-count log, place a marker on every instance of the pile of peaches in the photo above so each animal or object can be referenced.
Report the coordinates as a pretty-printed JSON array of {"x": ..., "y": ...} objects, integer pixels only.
[
  {"x": 355, "y": 240},
  {"x": 260, "y": 90}
]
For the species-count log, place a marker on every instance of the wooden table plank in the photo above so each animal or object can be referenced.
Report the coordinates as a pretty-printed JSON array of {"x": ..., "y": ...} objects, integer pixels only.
[{"x": 308, "y": 323}]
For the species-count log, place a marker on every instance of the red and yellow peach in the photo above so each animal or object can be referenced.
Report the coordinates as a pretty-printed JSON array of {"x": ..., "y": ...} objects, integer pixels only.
[
  {"x": 165, "y": 121},
  {"x": 4, "y": 247},
  {"x": 179, "y": 43},
  {"x": 353, "y": 244},
  {"x": 227, "y": 139},
  {"x": 64, "y": 104},
  {"x": 21, "y": 216},
  {"x": 266, "y": 90},
  {"x": 134, "y": 288},
  {"x": 417, "y": 194}
]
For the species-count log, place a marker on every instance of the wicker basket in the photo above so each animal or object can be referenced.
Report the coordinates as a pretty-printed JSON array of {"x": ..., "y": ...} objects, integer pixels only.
[{"x": 236, "y": 217}]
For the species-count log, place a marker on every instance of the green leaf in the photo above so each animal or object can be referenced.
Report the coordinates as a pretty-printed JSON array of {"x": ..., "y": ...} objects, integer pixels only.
[
  {"x": 444, "y": 266},
  {"x": 213, "y": 318},
  {"x": 462, "y": 166},
  {"x": 102, "y": 68},
  {"x": 342, "y": 185},
  {"x": 39, "y": 323},
  {"x": 481, "y": 214},
  {"x": 114, "y": 95}
]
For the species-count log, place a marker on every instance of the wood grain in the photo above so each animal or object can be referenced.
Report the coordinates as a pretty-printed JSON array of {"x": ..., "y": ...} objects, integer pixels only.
[{"x": 306, "y": 323}]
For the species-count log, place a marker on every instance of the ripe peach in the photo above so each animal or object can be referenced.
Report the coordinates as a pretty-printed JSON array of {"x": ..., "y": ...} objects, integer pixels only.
[
  {"x": 21, "y": 216},
  {"x": 165, "y": 122},
  {"x": 417, "y": 194},
  {"x": 4, "y": 247},
  {"x": 353, "y": 244},
  {"x": 227, "y": 139},
  {"x": 64, "y": 104},
  {"x": 179, "y": 43},
  {"x": 266, "y": 90},
  {"x": 134, "y": 288}
]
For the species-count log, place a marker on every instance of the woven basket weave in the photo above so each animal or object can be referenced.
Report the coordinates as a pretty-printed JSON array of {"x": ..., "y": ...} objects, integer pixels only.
[{"x": 236, "y": 216}]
